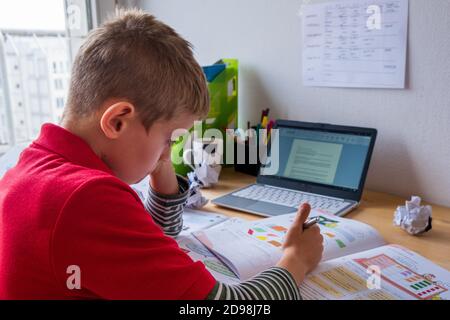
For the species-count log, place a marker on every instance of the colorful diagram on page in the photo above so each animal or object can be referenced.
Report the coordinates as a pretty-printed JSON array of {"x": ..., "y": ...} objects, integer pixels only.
[
  {"x": 403, "y": 277},
  {"x": 332, "y": 232},
  {"x": 272, "y": 234},
  {"x": 327, "y": 222}
]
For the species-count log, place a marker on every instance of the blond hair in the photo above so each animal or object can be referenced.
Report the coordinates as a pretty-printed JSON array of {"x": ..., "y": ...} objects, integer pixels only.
[{"x": 139, "y": 59}]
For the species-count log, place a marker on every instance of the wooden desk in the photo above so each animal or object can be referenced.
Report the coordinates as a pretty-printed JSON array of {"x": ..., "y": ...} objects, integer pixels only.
[{"x": 377, "y": 209}]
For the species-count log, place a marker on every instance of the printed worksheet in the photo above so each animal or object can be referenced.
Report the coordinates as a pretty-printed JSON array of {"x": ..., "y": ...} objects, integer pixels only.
[{"x": 355, "y": 43}]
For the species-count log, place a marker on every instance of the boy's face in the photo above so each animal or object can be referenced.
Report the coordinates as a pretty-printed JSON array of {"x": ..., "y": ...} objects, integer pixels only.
[{"x": 137, "y": 151}]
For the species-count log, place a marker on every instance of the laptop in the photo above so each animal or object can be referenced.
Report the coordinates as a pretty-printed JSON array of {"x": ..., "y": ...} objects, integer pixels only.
[{"x": 322, "y": 164}]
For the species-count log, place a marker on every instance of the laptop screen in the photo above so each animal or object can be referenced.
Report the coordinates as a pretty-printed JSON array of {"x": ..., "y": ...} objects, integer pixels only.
[{"x": 323, "y": 157}]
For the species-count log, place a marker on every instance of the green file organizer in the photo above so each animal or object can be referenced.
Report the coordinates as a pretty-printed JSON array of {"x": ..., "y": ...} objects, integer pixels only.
[{"x": 223, "y": 91}]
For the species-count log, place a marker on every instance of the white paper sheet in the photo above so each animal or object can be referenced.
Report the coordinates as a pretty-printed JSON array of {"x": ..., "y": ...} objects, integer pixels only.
[{"x": 354, "y": 43}]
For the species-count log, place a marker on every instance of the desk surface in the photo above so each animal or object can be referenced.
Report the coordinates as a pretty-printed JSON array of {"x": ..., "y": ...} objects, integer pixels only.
[{"x": 376, "y": 209}]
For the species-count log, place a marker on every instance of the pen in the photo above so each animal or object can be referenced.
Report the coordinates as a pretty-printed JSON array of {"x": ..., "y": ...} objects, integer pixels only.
[
  {"x": 310, "y": 222},
  {"x": 270, "y": 126},
  {"x": 269, "y": 130},
  {"x": 265, "y": 122},
  {"x": 265, "y": 113}
]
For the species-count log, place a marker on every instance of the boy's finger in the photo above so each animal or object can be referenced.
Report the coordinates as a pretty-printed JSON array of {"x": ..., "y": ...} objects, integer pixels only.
[
  {"x": 297, "y": 226},
  {"x": 302, "y": 216}
]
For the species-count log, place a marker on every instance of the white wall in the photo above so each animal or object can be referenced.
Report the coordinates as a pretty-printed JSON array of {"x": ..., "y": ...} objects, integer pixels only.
[{"x": 412, "y": 155}]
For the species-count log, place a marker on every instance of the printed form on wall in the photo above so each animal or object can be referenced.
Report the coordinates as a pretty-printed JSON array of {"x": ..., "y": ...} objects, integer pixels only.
[{"x": 356, "y": 44}]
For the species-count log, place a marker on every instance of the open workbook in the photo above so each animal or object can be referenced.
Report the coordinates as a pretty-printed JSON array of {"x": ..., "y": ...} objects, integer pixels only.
[
  {"x": 234, "y": 250},
  {"x": 357, "y": 263}
]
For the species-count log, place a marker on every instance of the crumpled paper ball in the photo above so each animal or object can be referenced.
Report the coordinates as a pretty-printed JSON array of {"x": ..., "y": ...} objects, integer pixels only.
[
  {"x": 196, "y": 200},
  {"x": 204, "y": 176},
  {"x": 413, "y": 218}
]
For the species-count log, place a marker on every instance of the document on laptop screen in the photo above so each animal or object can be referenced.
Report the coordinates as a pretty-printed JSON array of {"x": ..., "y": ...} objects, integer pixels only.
[
  {"x": 313, "y": 161},
  {"x": 324, "y": 157}
]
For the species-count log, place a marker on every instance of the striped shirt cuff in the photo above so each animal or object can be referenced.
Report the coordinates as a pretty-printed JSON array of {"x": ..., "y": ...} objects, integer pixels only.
[
  {"x": 272, "y": 284},
  {"x": 167, "y": 210}
]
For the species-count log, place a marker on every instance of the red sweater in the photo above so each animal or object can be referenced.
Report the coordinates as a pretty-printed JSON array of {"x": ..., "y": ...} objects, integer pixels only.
[{"x": 61, "y": 206}]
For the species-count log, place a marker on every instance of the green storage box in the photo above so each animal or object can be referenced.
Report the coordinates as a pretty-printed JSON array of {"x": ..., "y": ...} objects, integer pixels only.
[{"x": 223, "y": 90}]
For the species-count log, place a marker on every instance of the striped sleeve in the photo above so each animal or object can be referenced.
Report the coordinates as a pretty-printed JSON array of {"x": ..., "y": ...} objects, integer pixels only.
[
  {"x": 167, "y": 210},
  {"x": 272, "y": 284}
]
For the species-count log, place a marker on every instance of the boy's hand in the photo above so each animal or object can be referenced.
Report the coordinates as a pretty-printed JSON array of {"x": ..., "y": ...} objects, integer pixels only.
[
  {"x": 302, "y": 249},
  {"x": 163, "y": 178},
  {"x": 163, "y": 161}
]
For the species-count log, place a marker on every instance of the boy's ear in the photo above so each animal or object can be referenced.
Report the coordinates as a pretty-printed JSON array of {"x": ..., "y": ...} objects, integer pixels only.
[{"x": 116, "y": 118}]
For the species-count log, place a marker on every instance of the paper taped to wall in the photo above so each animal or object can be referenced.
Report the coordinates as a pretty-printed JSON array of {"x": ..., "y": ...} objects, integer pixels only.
[{"x": 354, "y": 43}]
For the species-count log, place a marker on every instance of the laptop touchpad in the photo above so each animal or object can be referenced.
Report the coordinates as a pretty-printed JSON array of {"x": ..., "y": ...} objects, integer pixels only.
[
  {"x": 235, "y": 201},
  {"x": 269, "y": 208}
]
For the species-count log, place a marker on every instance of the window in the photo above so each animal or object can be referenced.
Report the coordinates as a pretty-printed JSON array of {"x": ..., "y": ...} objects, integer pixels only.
[
  {"x": 35, "y": 51},
  {"x": 34, "y": 66},
  {"x": 60, "y": 103},
  {"x": 59, "y": 84},
  {"x": 31, "y": 33}
]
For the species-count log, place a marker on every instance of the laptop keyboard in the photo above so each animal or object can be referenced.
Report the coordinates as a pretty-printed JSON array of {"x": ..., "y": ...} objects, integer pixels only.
[{"x": 291, "y": 198}]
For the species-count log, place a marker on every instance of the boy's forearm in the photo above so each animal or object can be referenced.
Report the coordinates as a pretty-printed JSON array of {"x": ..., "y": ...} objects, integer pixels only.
[
  {"x": 167, "y": 209},
  {"x": 272, "y": 284}
]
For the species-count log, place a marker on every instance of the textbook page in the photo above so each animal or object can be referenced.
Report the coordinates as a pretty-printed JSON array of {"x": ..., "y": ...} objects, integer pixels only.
[
  {"x": 142, "y": 188},
  {"x": 195, "y": 220},
  {"x": 389, "y": 272},
  {"x": 198, "y": 252},
  {"x": 249, "y": 248}
]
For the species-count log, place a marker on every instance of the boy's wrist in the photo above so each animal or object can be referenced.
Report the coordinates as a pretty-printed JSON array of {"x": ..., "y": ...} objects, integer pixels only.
[{"x": 295, "y": 267}]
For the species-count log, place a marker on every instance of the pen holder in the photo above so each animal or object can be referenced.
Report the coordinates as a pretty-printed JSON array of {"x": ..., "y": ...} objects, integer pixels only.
[{"x": 247, "y": 155}]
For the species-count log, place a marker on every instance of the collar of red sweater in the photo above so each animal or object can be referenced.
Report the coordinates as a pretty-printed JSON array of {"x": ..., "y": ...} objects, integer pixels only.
[{"x": 70, "y": 146}]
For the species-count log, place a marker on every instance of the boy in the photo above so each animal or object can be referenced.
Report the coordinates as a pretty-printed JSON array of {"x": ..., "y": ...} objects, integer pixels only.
[{"x": 72, "y": 228}]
